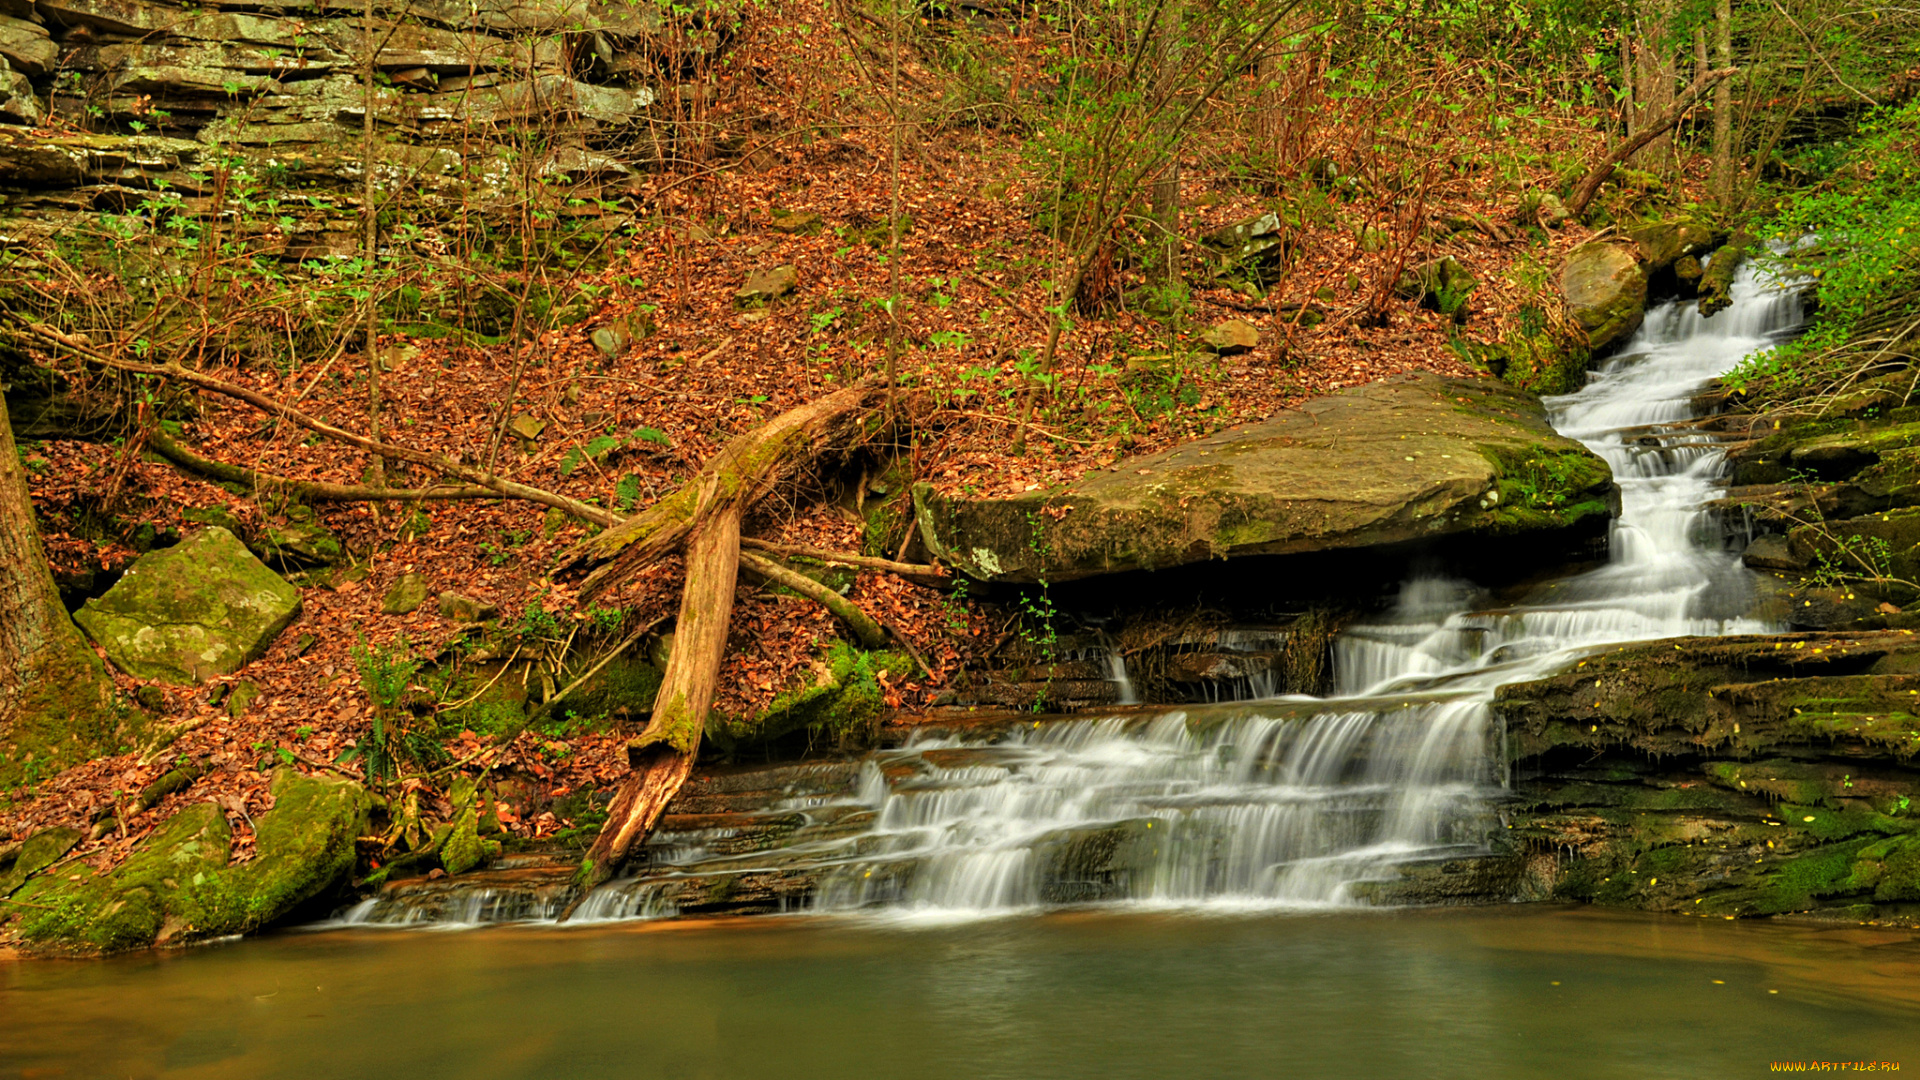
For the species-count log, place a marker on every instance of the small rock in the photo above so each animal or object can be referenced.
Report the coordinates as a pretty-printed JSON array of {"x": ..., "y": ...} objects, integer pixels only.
[
  {"x": 1776, "y": 552},
  {"x": 405, "y": 595},
  {"x": 304, "y": 644},
  {"x": 796, "y": 221},
  {"x": 527, "y": 426},
  {"x": 1553, "y": 211},
  {"x": 465, "y": 608},
  {"x": 1232, "y": 336},
  {"x": 766, "y": 286},
  {"x": 151, "y": 698},
  {"x": 243, "y": 695},
  {"x": 613, "y": 340}
]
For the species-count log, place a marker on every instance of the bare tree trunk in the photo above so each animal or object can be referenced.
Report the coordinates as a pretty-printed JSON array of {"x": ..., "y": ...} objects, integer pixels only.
[
  {"x": 662, "y": 756},
  {"x": 55, "y": 698},
  {"x": 1723, "y": 106},
  {"x": 1656, "y": 73}
]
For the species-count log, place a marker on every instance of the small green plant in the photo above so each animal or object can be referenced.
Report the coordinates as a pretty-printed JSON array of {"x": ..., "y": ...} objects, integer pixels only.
[
  {"x": 386, "y": 674},
  {"x": 1038, "y": 622}
]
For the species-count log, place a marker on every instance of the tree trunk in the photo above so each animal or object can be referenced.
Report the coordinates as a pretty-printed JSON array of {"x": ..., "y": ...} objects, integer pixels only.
[
  {"x": 1723, "y": 106},
  {"x": 662, "y": 756},
  {"x": 56, "y": 702},
  {"x": 1655, "y": 72}
]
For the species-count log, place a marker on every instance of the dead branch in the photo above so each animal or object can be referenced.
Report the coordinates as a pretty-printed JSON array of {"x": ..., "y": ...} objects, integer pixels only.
[
  {"x": 864, "y": 628},
  {"x": 303, "y": 490},
  {"x": 437, "y": 462},
  {"x": 1589, "y": 186},
  {"x": 919, "y": 574}
]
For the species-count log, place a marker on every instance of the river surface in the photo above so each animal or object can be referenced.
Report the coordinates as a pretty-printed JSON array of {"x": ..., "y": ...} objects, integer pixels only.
[{"x": 1490, "y": 993}]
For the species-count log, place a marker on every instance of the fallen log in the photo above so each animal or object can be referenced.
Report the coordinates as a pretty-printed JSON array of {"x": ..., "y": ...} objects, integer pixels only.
[
  {"x": 744, "y": 470},
  {"x": 704, "y": 515},
  {"x": 661, "y": 757}
]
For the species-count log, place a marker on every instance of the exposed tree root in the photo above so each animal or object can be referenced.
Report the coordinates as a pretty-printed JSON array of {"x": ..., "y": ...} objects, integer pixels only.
[{"x": 303, "y": 490}]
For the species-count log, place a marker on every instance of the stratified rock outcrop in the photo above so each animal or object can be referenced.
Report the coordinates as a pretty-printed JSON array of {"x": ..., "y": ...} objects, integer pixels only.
[{"x": 1408, "y": 459}]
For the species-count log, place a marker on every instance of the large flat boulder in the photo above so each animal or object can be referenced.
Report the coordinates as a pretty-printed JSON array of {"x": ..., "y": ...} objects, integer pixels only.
[
  {"x": 1408, "y": 459},
  {"x": 203, "y": 608}
]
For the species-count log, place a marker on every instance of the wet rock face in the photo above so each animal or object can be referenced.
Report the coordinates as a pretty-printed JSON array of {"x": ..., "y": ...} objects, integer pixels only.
[
  {"x": 203, "y": 608},
  {"x": 1729, "y": 776},
  {"x": 1403, "y": 460},
  {"x": 1606, "y": 292}
]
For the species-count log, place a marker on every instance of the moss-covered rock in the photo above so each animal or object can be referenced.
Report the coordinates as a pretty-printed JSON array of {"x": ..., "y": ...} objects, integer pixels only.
[
  {"x": 177, "y": 887},
  {"x": 38, "y": 852},
  {"x": 1606, "y": 292},
  {"x": 202, "y": 608},
  {"x": 1408, "y": 459},
  {"x": 840, "y": 700}
]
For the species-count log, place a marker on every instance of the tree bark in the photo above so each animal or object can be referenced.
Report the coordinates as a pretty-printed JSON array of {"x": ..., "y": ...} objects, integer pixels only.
[
  {"x": 1584, "y": 192},
  {"x": 1723, "y": 106},
  {"x": 56, "y": 702},
  {"x": 662, "y": 756}
]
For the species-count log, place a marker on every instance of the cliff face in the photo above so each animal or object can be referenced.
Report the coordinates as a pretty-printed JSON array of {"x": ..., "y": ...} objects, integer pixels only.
[
  {"x": 1730, "y": 776},
  {"x": 106, "y": 103}
]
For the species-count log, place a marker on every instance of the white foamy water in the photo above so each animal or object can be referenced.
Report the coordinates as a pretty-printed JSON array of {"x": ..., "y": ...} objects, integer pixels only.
[{"x": 1293, "y": 806}]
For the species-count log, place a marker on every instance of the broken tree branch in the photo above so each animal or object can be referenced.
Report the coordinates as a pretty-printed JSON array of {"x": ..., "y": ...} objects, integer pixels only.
[
  {"x": 1589, "y": 186},
  {"x": 437, "y": 462},
  {"x": 864, "y": 628}
]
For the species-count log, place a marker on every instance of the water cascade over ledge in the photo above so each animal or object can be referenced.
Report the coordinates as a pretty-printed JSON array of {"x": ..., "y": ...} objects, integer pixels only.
[{"x": 1285, "y": 801}]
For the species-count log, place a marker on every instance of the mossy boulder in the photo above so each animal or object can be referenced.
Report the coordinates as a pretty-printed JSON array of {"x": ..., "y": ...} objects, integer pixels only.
[
  {"x": 1665, "y": 243},
  {"x": 203, "y": 608},
  {"x": 176, "y": 887},
  {"x": 840, "y": 700},
  {"x": 1408, "y": 459},
  {"x": 38, "y": 852},
  {"x": 1606, "y": 292}
]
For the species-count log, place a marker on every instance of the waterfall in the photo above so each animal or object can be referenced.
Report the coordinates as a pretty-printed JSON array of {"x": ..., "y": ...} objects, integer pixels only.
[
  {"x": 1117, "y": 675},
  {"x": 1294, "y": 801}
]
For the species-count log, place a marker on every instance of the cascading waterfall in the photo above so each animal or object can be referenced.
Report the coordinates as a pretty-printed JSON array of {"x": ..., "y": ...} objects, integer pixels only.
[{"x": 1294, "y": 801}]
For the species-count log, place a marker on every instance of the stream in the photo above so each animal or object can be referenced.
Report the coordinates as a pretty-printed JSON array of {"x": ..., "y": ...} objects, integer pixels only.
[{"x": 1150, "y": 893}]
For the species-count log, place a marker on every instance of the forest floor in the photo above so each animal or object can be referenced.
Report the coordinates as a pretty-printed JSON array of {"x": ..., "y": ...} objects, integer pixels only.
[{"x": 975, "y": 274}]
